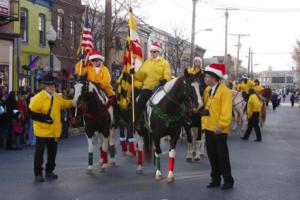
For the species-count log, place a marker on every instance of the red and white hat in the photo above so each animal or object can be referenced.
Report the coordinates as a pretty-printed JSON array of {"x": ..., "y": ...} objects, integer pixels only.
[
  {"x": 96, "y": 55},
  {"x": 217, "y": 69},
  {"x": 155, "y": 46}
]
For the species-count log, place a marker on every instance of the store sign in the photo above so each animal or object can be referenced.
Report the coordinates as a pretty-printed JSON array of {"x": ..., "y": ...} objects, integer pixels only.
[{"x": 4, "y": 7}]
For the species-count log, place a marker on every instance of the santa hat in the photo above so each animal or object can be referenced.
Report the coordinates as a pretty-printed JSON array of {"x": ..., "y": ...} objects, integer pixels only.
[
  {"x": 197, "y": 58},
  {"x": 155, "y": 46},
  {"x": 217, "y": 69},
  {"x": 96, "y": 55}
]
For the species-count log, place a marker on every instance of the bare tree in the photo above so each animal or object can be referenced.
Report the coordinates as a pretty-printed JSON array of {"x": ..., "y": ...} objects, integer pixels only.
[
  {"x": 176, "y": 48},
  {"x": 118, "y": 21},
  {"x": 296, "y": 58}
]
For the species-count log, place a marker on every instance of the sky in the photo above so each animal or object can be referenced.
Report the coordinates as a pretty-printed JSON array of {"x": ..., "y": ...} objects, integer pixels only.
[{"x": 273, "y": 26}]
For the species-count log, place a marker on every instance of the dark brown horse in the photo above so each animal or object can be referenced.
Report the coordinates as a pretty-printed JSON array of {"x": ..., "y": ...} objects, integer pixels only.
[{"x": 165, "y": 115}]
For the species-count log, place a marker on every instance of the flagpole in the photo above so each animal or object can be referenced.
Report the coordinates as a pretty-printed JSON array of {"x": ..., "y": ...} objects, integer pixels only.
[
  {"x": 81, "y": 57},
  {"x": 132, "y": 76}
]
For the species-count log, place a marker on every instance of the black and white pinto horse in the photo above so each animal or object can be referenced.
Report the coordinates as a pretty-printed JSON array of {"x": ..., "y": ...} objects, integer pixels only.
[
  {"x": 98, "y": 120},
  {"x": 192, "y": 125},
  {"x": 165, "y": 116}
]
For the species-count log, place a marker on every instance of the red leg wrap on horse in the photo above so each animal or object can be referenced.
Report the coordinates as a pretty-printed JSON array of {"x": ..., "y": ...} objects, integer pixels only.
[
  {"x": 140, "y": 157},
  {"x": 101, "y": 153},
  {"x": 132, "y": 148},
  {"x": 171, "y": 164},
  {"x": 124, "y": 146},
  {"x": 105, "y": 157}
]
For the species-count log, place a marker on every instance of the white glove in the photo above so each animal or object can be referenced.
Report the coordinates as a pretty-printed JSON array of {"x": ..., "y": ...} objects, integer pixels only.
[{"x": 77, "y": 93}]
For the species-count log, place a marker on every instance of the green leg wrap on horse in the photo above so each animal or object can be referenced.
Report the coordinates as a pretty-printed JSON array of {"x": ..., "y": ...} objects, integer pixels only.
[
  {"x": 90, "y": 158},
  {"x": 112, "y": 151},
  {"x": 157, "y": 163}
]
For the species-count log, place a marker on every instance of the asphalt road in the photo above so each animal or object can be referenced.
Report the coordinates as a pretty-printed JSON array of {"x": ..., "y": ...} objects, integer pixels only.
[{"x": 269, "y": 170}]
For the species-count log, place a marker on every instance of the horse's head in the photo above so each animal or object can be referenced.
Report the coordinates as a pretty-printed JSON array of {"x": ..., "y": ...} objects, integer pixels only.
[
  {"x": 192, "y": 88},
  {"x": 89, "y": 93}
]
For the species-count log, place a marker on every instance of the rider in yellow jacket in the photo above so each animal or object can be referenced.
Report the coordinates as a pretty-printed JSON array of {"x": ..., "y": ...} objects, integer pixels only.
[
  {"x": 98, "y": 73},
  {"x": 258, "y": 88},
  {"x": 154, "y": 72},
  {"x": 246, "y": 84}
]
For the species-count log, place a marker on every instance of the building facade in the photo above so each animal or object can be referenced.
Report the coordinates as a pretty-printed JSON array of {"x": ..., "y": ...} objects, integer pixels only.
[
  {"x": 67, "y": 22},
  {"x": 276, "y": 79},
  {"x": 35, "y": 21},
  {"x": 9, "y": 12}
]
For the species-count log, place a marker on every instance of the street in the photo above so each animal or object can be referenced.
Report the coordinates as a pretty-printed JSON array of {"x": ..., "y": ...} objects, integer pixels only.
[{"x": 269, "y": 170}]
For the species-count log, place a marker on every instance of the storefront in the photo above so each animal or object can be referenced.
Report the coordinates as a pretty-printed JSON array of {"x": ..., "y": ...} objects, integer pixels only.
[{"x": 6, "y": 63}]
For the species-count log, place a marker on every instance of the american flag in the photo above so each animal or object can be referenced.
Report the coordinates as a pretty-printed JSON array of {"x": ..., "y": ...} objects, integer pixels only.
[{"x": 87, "y": 41}]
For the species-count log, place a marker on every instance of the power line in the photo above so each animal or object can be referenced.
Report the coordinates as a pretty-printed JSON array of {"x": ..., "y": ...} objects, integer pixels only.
[{"x": 252, "y": 9}]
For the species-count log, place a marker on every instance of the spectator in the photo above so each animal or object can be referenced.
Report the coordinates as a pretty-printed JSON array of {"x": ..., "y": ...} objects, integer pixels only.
[
  {"x": 292, "y": 99},
  {"x": 11, "y": 105},
  {"x": 22, "y": 106},
  {"x": 17, "y": 128}
]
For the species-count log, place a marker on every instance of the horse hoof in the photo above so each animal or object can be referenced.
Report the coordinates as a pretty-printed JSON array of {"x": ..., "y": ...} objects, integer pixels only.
[
  {"x": 171, "y": 179},
  {"x": 197, "y": 159},
  {"x": 188, "y": 159},
  {"x": 113, "y": 164},
  {"x": 158, "y": 177},
  {"x": 89, "y": 170},
  {"x": 139, "y": 171}
]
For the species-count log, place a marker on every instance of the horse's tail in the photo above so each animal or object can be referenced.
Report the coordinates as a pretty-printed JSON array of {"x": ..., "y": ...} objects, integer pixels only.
[{"x": 148, "y": 145}]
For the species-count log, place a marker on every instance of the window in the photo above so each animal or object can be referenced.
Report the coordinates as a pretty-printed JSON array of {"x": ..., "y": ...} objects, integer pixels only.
[
  {"x": 289, "y": 79},
  {"x": 42, "y": 29},
  {"x": 24, "y": 24},
  {"x": 60, "y": 27},
  {"x": 72, "y": 35}
]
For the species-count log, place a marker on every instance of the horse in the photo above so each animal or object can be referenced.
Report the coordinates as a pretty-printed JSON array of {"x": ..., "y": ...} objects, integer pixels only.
[
  {"x": 98, "y": 118},
  {"x": 165, "y": 115},
  {"x": 267, "y": 94},
  {"x": 238, "y": 109},
  {"x": 192, "y": 126}
]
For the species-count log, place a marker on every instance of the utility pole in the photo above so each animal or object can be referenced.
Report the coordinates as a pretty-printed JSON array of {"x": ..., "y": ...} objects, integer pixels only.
[
  {"x": 251, "y": 59},
  {"x": 238, "y": 52},
  {"x": 107, "y": 33},
  {"x": 193, "y": 32},
  {"x": 249, "y": 55},
  {"x": 226, "y": 30}
]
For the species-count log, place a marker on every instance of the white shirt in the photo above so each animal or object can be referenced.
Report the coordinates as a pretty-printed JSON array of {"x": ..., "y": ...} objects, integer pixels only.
[{"x": 213, "y": 89}]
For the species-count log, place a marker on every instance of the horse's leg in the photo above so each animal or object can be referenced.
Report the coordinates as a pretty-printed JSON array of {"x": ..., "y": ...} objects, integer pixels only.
[
  {"x": 172, "y": 154},
  {"x": 111, "y": 148},
  {"x": 123, "y": 139},
  {"x": 189, "y": 154},
  {"x": 158, "y": 175},
  {"x": 90, "y": 153},
  {"x": 242, "y": 119},
  {"x": 235, "y": 119},
  {"x": 194, "y": 133},
  {"x": 140, "y": 147},
  {"x": 104, "y": 152},
  {"x": 131, "y": 140},
  {"x": 199, "y": 145},
  {"x": 99, "y": 137}
]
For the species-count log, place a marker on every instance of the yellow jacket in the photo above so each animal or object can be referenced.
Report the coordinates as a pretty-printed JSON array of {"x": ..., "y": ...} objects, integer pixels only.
[
  {"x": 258, "y": 88},
  {"x": 102, "y": 77},
  {"x": 194, "y": 70},
  {"x": 40, "y": 103},
  {"x": 245, "y": 87},
  {"x": 152, "y": 71},
  {"x": 236, "y": 87},
  {"x": 253, "y": 105},
  {"x": 220, "y": 109}
]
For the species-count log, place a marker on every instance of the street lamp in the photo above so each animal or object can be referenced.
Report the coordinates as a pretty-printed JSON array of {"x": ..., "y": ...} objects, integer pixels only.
[
  {"x": 51, "y": 37},
  {"x": 193, "y": 43}
]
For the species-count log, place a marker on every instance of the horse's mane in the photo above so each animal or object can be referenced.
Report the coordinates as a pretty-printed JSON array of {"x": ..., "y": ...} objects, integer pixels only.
[{"x": 98, "y": 91}]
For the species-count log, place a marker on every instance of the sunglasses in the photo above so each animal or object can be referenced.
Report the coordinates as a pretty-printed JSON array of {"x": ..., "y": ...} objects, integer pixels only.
[
  {"x": 96, "y": 60},
  {"x": 154, "y": 51}
]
